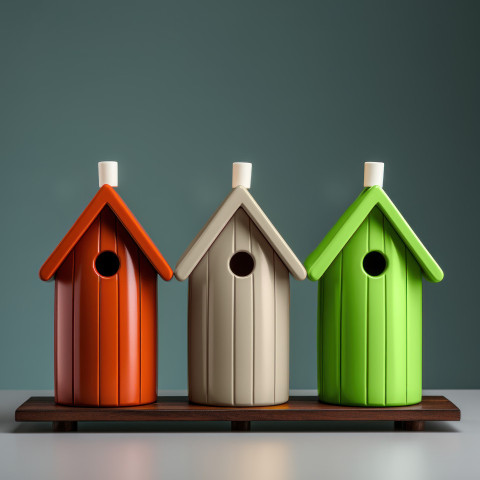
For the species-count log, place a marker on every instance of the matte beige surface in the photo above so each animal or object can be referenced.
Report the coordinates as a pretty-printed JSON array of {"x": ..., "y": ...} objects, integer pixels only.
[
  {"x": 282, "y": 330},
  {"x": 264, "y": 315},
  {"x": 238, "y": 334},
  {"x": 239, "y": 326},
  {"x": 221, "y": 319},
  {"x": 243, "y": 388},
  {"x": 198, "y": 332},
  {"x": 239, "y": 197}
]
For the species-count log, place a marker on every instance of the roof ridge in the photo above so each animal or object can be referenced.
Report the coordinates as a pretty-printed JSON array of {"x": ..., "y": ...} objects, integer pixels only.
[
  {"x": 321, "y": 258},
  {"x": 106, "y": 196},
  {"x": 238, "y": 197}
]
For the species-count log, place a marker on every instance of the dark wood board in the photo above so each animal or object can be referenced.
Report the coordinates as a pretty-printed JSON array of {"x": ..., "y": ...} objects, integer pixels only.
[{"x": 44, "y": 409}]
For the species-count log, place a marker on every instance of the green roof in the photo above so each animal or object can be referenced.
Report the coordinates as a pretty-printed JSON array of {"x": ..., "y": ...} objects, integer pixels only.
[{"x": 323, "y": 256}]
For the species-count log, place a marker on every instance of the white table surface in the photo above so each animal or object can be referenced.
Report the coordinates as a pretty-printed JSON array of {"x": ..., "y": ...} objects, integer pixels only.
[{"x": 278, "y": 451}]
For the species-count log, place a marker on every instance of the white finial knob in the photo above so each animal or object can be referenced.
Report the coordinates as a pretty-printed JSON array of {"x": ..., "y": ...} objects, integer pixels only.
[
  {"x": 373, "y": 174},
  {"x": 242, "y": 174},
  {"x": 108, "y": 174}
]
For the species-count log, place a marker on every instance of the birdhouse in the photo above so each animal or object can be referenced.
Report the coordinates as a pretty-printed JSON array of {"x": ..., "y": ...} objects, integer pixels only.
[
  {"x": 369, "y": 269},
  {"x": 105, "y": 272},
  {"x": 238, "y": 268}
]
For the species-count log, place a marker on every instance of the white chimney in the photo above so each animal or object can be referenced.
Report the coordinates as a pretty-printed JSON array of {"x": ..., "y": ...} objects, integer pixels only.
[
  {"x": 108, "y": 174},
  {"x": 242, "y": 174},
  {"x": 373, "y": 174}
]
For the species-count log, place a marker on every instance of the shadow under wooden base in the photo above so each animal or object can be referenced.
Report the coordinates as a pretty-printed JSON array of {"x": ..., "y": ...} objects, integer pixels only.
[
  {"x": 241, "y": 426},
  {"x": 65, "y": 418},
  {"x": 416, "y": 426},
  {"x": 65, "y": 426}
]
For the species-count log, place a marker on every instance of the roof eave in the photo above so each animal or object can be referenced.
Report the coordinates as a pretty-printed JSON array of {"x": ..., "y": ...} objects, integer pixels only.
[
  {"x": 336, "y": 239},
  {"x": 106, "y": 195},
  {"x": 238, "y": 198}
]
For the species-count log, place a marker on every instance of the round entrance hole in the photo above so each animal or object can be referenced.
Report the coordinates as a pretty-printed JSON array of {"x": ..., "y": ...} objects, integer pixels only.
[
  {"x": 107, "y": 264},
  {"x": 242, "y": 264},
  {"x": 374, "y": 263}
]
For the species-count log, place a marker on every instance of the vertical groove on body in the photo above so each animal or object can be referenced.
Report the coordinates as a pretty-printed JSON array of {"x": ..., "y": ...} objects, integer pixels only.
[
  {"x": 148, "y": 331},
  {"x": 108, "y": 308},
  {"x": 340, "y": 334},
  {"x": 64, "y": 331},
  {"x": 119, "y": 381},
  {"x": 220, "y": 338},
  {"x": 250, "y": 226},
  {"x": 354, "y": 320},
  {"x": 73, "y": 327},
  {"x": 320, "y": 347},
  {"x": 207, "y": 359},
  {"x": 86, "y": 301},
  {"x": 198, "y": 332},
  {"x": 233, "y": 311},
  {"x": 243, "y": 360},
  {"x": 140, "y": 313},
  {"x": 414, "y": 331},
  {"x": 98, "y": 310},
  {"x": 329, "y": 328},
  {"x": 395, "y": 251},
  {"x": 376, "y": 317},
  {"x": 129, "y": 318},
  {"x": 385, "y": 313},
  {"x": 274, "y": 329},
  {"x": 282, "y": 330},
  {"x": 264, "y": 329},
  {"x": 367, "y": 221}
]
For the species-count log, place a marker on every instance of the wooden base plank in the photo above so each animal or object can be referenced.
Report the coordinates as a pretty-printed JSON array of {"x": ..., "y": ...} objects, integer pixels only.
[{"x": 409, "y": 418}]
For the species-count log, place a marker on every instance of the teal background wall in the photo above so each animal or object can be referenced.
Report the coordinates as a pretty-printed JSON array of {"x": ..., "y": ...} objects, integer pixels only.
[{"x": 178, "y": 90}]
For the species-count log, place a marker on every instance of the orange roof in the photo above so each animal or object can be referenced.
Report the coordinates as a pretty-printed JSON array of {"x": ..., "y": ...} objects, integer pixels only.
[{"x": 106, "y": 195}]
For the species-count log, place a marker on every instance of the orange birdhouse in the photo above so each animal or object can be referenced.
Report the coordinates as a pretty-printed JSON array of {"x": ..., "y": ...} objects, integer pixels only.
[{"x": 105, "y": 272}]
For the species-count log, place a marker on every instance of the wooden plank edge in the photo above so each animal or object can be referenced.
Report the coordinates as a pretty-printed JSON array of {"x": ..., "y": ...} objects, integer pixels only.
[{"x": 52, "y": 412}]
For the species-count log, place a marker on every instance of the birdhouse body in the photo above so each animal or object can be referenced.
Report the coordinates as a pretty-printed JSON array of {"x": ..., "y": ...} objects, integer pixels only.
[
  {"x": 370, "y": 268},
  {"x": 105, "y": 326},
  {"x": 370, "y": 325},
  {"x": 238, "y": 268},
  {"x": 238, "y": 333},
  {"x": 105, "y": 308}
]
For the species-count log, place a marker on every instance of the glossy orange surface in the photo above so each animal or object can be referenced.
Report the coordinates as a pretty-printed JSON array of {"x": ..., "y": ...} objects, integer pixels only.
[
  {"x": 148, "y": 337},
  {"x": 86, "y": 294},
  {"x": 108, "y": 316},
  {"x": 128, "y": 319},
  {"x": 105, "y": 327},
  {"x": 106, "y": 195},
  {"x": 64, "y": 331}
]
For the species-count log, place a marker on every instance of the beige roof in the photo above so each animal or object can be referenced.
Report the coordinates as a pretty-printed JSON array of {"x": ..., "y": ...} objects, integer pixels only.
[{"x": 239, "y": 197}]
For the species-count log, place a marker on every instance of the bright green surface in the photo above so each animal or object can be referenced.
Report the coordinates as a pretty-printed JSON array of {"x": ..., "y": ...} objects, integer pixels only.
[
  {"x": 354, "y": 320},
  {"x": 329, "y": 323},
  {"x": 321, "y": 258},
  {"x": 370, "y": 351},
  {"x": 396, "y": 318},
  {"x": 177, "y": 90},
  {"x": 376, "y": 317},
  {"x": 414, "y": 330}
]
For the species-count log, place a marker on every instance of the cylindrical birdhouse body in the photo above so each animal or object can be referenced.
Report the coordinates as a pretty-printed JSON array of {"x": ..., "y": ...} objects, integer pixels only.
[
  {"x": 105, "y": 320},
  {"x": 238, "y": 320},
  {"x": 370, "y": 321}
]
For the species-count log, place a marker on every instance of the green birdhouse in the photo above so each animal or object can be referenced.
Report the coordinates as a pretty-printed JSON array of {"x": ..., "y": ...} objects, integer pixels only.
[{"x": 369, "y": 270}]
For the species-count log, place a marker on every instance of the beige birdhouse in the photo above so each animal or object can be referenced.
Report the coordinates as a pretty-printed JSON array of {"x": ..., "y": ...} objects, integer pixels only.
[{"x": 238, "y": 268}]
